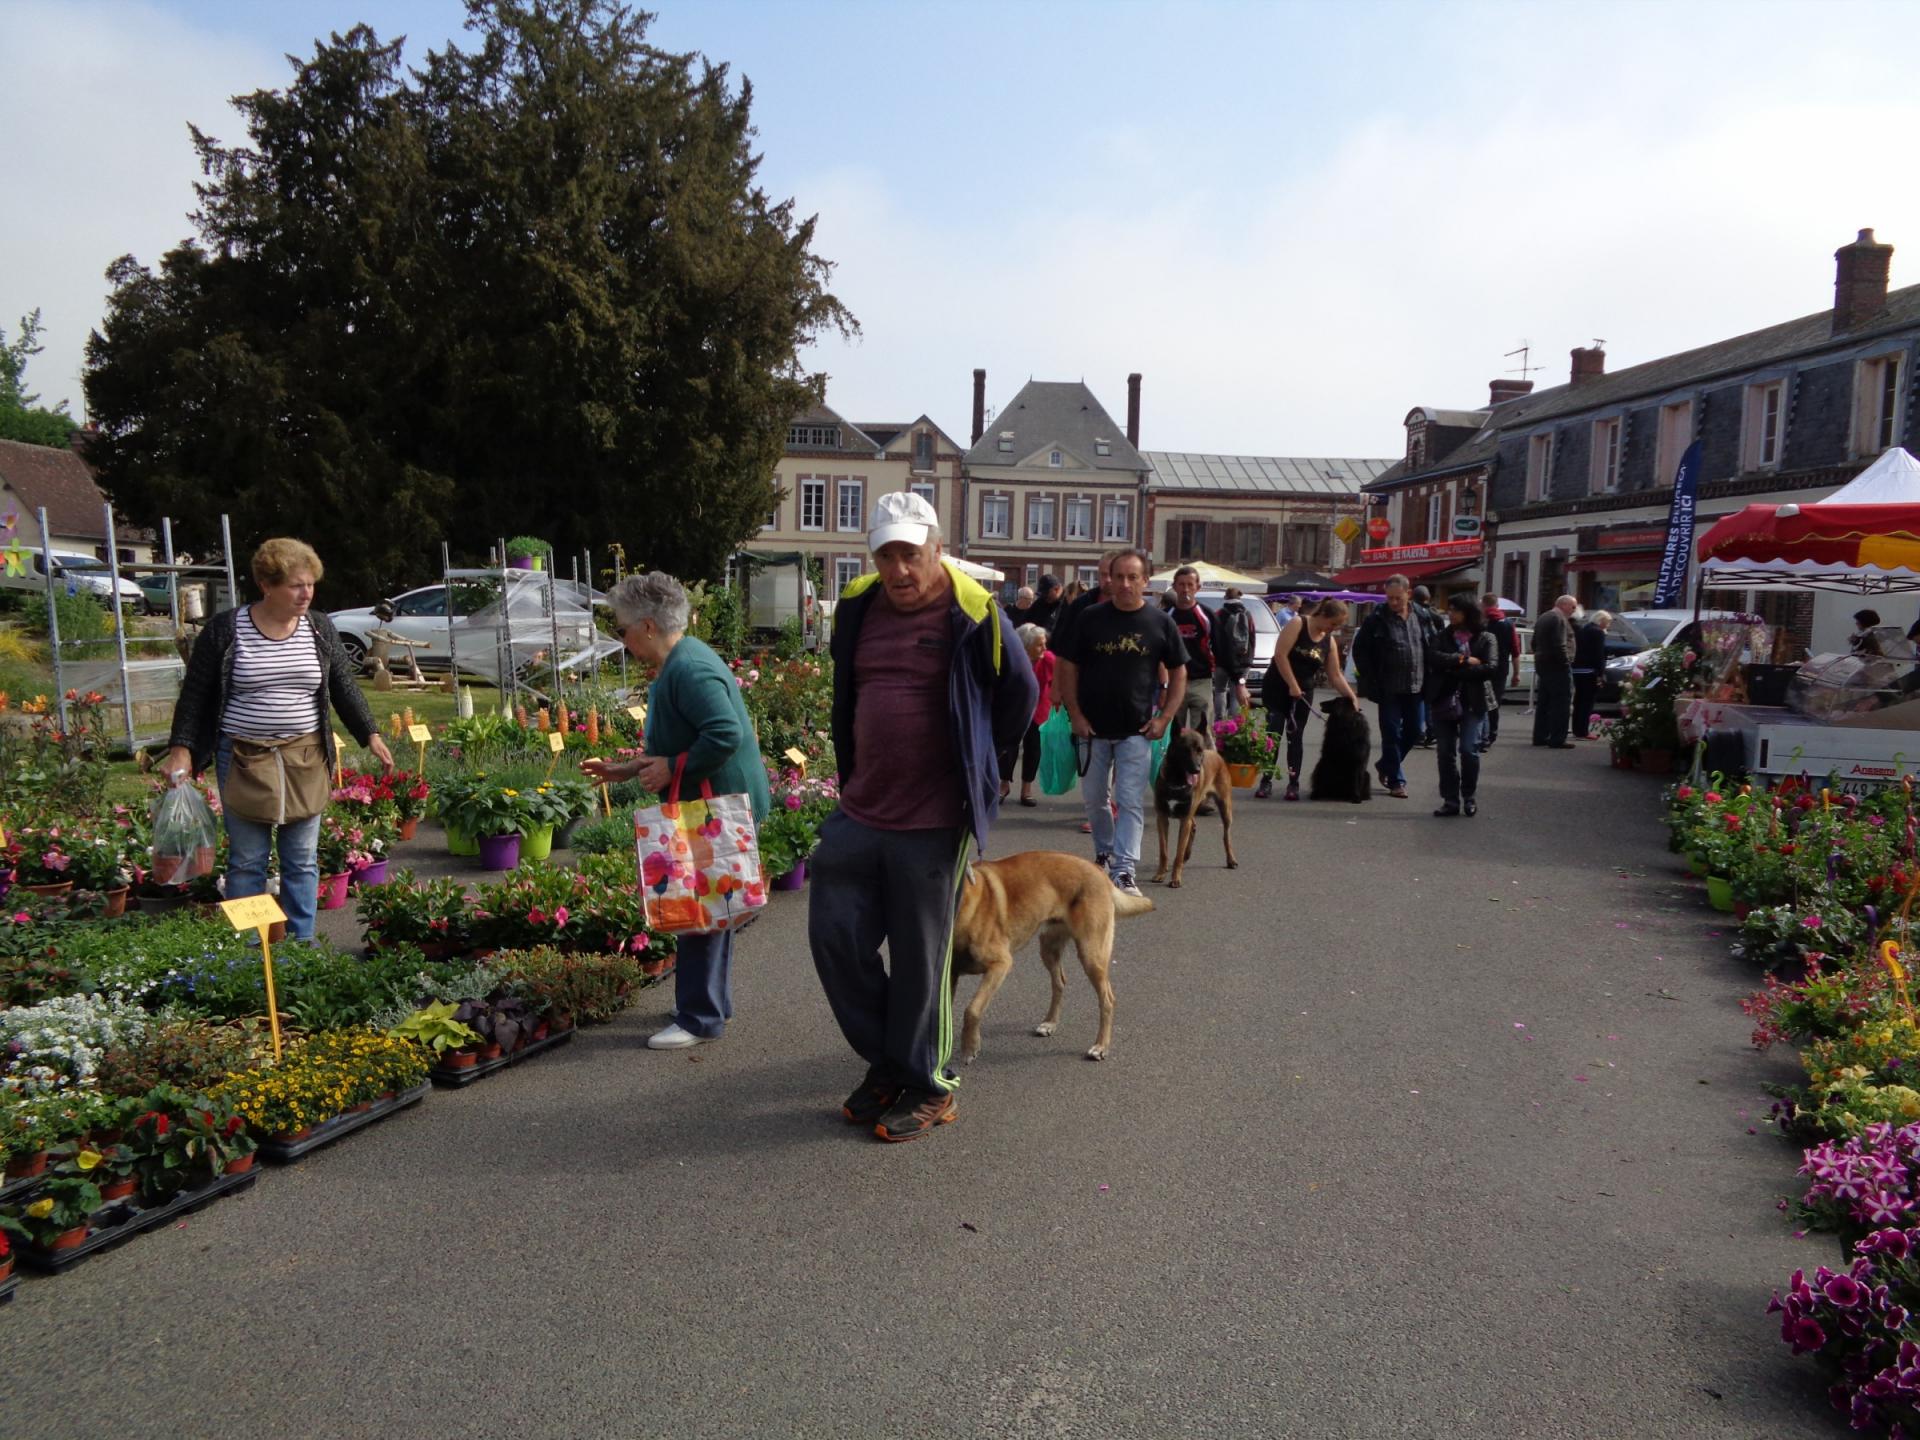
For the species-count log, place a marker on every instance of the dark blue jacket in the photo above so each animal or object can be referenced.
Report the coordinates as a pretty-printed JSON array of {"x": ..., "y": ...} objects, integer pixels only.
[{"x": 990, "y": 696}]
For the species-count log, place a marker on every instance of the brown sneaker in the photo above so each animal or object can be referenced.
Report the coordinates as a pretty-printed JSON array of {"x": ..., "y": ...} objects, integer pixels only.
[
  {"x": 872, "y": 1098},
  {"x": 916, "y": 1113}
]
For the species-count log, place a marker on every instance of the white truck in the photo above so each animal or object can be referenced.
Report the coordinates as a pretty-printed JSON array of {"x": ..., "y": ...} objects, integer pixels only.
[{"x": 777, "y": 590}]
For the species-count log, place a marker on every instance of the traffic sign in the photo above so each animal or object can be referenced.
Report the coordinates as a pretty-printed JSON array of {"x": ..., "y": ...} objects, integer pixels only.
[{"x": 1378, "y": 527}]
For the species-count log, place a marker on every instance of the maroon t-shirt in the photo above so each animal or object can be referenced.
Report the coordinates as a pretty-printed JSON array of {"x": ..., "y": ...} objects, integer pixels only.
[{"x": 906, "y": 769}]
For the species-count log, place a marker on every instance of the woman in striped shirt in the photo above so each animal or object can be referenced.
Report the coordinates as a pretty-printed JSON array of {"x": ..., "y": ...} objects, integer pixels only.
[{"x": 264, "y": 678}]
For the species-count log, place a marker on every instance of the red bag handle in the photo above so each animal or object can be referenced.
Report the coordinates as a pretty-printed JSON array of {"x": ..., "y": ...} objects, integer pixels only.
[{"x": 673, "y": 786}]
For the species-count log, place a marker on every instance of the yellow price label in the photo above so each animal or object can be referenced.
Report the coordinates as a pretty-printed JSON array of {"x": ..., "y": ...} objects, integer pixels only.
[
  {"x": 419, "y": 734},
  {"x": 556, "y": 742},
  {"x": 639, "y": 713},
  {"x": 252, "y": 912},
  {"x": 799, "y": 760}
]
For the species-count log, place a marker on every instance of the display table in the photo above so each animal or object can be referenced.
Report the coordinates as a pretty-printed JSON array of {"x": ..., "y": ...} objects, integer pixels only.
[{"x": 1781, "y": 743}]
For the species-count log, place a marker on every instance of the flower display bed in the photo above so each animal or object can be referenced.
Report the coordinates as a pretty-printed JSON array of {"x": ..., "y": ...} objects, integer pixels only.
[
  {"x": 284, "y": 1152},
  {"x": 124, "y": 1219},
  {"x": 459, "y": 1079},
  {"x": 20, "y": 1189}
]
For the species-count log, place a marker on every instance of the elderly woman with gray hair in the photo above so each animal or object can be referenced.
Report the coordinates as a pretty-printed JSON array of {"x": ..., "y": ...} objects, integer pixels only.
[{"x": 697, "y": 727}]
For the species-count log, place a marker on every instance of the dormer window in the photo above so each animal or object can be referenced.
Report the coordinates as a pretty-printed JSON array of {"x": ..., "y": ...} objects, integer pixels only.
[
  {"x": 923, "y": 450},
  {"x": 1416, "y": 452},
  {"x": 1006, "y": 442},
  {"x": 814, "y": 437},
  {"x": 1053, "y": 459},
  {"x": 1102, "y": 447}
]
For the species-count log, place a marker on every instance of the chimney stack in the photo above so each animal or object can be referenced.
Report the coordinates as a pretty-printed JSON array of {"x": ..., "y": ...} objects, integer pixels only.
[
  {"x": 1588, "y": 364},
  {"x": 1501, "y": 391},
  {"x": 979, "y": 406},
  {"x": 1859, "y": 281},
  {"x": 1133, "y": 409}
]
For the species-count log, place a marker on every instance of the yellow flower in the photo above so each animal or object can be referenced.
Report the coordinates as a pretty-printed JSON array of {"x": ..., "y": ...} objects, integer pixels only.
[{"x": 40, "y": 1209}]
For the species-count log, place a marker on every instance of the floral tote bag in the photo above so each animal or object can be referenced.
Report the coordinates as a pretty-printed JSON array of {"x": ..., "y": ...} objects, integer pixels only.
[{"x": 699, "y": 861}]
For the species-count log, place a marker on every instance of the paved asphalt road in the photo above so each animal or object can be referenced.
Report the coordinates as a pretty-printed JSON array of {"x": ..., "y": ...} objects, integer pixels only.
[{"x": 1328, "y": 1187}]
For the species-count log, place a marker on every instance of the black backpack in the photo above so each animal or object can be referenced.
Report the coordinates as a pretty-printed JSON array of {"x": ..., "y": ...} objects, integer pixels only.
[{"x": 1233, "y": 637}]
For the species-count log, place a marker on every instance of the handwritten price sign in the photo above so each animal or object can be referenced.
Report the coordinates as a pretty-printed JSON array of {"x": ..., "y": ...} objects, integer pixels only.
[
  {"x": 258, "y": 912},
  {"x": 419, "y": 734}
]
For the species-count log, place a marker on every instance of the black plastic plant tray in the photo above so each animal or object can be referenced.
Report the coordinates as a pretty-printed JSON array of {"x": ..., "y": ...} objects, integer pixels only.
[
  {"x": 126, "y": 1219},
  {"x": 17, "y": 1189},
  {"x": 282, "y": 1151},
  {"x": 8, "y": 1286},
  {"x": 459, "y": 1079}
]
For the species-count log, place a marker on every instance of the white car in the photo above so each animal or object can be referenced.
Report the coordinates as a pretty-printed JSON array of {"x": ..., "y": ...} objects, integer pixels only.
[
  {"x": 421, "y": 615},
  {"x": 71, "y": 568}
]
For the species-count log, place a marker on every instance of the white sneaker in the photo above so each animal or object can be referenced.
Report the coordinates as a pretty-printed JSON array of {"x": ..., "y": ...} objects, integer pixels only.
[
  {"x": 674, "y": 1038},
  {"x": 1123, "y": 882}
]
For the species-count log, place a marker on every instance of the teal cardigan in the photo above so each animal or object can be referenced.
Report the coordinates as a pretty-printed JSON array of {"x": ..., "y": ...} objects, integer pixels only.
[{"x": 694, "y": 708}]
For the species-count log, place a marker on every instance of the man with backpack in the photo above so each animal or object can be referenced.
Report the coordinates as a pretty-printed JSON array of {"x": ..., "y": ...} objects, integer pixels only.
[{"x": 1232, "y": 654}]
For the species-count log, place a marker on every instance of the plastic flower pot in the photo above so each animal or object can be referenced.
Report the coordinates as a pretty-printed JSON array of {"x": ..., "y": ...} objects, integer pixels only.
[
  {"x": 794, "y": 879},
  {"x": 408, "y": 826},
  {"x": 276, "y": 932},
  {"x": 1243, "y": 777},
  {"x": 1720, "y": 893},
  {"x": 1698, "y": 864},
  {"x": 70, "y": 1240},
  {"x": 499, "y": 852},
  {"x": 240, "y": 1164},
  {"x": 116, "y": 902},
  {"x": 59, "y": 887},
  {"x": 459, "y": 842},
  {"x": 522, "y": 562},
  {"x": 491, "y": 1051},
  {"x": 118, "y": 1189},
  {"x": 460, "y": 1059},
  {"x": 374, "y": 874},
  {"x": 21, "y": 1167},
  {"x": 333, "y": 890},
  {"x": 563, "y": 836},
  {"x": 537, "y": 844}
]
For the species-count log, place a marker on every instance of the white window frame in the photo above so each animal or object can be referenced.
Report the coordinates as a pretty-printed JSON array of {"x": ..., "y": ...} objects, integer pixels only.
[
  {"x": 1032, "y": 576},
  {"x": 1006, "y": 442},
  {"x": 841, "y": 489},
  {"x": 1876, "y": 422},
  {"x": 1055, "y": 459},
  {"x": 1603, "y": 465},
  {"x": 1539, "y": 466},
  {"x": 926, "y": 437},
  {"x": 772, "y": 522},
  {"x": 1116, "y": 521},
  {"x": 813, "y": 495},
  {"x": 1040, "y": 518},
  {"x": 996, "y": 507},
  {"x": 925, "y": 490},
  {"x": 846, "y": 569},
  {"x": 814, "y": 437},
  {"x": 1673, "y": 434},
  {"x": 1102, "y": 447},
  {"x": 1089, "y": 576},
  {"x": 1763, "y": 433},
  {"x": 1433, "y": 519},
  {"x": 1080, "y": 509}
]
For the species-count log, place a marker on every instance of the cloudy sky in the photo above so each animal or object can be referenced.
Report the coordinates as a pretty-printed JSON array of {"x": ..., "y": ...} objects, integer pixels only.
[{"x": 1296, "y": 219}]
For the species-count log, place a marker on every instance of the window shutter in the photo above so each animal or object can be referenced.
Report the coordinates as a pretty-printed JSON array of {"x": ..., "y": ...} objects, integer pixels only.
[
  {"x": 1173, "y": 539},
  {"x": 1219, "y": 544},
  {"x": 1270, "y": 547}
]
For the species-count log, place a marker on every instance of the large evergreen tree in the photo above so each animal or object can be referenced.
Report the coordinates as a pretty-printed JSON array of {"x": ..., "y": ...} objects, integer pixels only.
[{"x": 532, "y": 286}]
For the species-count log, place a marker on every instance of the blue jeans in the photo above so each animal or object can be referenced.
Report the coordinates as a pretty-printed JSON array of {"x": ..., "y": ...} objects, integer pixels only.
[
  {"x": 248, "y": 845},
  {"x": 1118, "y": 774},
  {"x": 1459, "y": 752},
  {"x": 703, "y": 983},
  {"x": 1399, "y": 736}
]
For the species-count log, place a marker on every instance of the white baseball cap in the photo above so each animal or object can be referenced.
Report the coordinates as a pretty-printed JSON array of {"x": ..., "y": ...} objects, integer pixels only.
[{"x": 901, "y": 515}]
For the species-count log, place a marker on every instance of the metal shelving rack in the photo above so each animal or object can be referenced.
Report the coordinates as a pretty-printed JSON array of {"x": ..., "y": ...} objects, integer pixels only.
[{"x": 125, "y": 668}]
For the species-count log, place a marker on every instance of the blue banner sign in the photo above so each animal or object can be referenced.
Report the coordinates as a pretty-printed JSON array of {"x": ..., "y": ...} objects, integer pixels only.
[{"x": 1672, "y": 587}]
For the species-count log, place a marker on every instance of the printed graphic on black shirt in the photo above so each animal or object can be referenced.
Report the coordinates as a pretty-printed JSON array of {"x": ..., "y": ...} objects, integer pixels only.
[{"x": 1119, "y": 654}]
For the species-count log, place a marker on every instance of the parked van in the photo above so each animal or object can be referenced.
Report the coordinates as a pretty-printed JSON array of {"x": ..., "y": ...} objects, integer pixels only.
[
  {"x": 72, "y": 570},
  {"x": 777, "y": 589}
]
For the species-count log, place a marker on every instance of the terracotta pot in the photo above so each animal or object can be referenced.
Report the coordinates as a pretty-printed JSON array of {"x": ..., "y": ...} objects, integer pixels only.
[
  {"x": 276, "y": 932},
  {"x": 240, "y": 1164},
  {"x": 294, "y": 1137},
  {"x": 118, "y": 1189},
  {"x": 165, "y": 867},
  {"x": 204, "y": 857},
  {"x": 1243, "y": 777},
  {"x": 58, "y": 888},
  {"x": 409, "y": 826},
  {"x": 361, "y": 1108},
  {"x": 460, "y": 1059},
  {"x": 490, "y": 1052},
  {"x": 116, "y": 902},
  {"x": 386, "y": 1095},
  {"x": 70, "y": 1240},
  {"x": 333, "y": 891},
  {"x": 6, "y": 1269},
  {"x": 20, "y": 1167},
  {"x": 541, "y": 1031}
]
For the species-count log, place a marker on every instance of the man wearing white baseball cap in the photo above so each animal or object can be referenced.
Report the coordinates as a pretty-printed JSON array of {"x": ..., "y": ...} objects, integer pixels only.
[{"x": 929, "y": 685}]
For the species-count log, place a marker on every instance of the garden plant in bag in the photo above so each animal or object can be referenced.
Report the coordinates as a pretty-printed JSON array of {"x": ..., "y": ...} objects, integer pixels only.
[{"x": 185, "y": 835}]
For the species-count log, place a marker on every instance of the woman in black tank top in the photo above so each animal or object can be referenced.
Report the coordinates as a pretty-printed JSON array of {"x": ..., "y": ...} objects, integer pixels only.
[{"x": 1306, "y": 652}]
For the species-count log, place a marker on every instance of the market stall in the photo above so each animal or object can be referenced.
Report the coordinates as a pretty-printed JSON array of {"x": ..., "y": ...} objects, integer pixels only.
[{"x": 1855, "y": 716}]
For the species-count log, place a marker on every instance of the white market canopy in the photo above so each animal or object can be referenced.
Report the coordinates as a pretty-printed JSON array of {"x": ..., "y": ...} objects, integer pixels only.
[
  {"x": 1212, "y": 576},
  {"x": 973, "y": 570}
]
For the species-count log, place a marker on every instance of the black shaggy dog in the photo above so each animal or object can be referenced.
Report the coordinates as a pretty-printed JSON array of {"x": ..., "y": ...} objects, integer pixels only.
[{"x": 1345, "y": 750}]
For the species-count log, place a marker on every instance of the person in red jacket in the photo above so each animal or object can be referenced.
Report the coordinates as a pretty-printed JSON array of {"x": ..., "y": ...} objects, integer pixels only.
[{"x": 1027, "y": 748}]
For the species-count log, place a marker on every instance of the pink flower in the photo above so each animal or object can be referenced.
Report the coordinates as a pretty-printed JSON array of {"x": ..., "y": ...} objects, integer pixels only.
[
  {"x": 21, "y": 917},
  {"x": 1812, "y": 922},
  {"x": 560, "y": 917},
  {"x": 536, "y": 917},
  {"x": 54, "y": 860},
  {"x": 793, "y": 802}
]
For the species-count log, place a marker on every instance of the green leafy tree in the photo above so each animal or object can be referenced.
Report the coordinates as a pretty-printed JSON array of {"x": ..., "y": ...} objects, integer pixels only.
[
  {"x": 531, "y": 286},
  {"x": 22, "y": 417}
]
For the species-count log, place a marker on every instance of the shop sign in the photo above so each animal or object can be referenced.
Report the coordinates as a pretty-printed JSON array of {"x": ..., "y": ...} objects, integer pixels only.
[{"x": 1407, "y": 554}]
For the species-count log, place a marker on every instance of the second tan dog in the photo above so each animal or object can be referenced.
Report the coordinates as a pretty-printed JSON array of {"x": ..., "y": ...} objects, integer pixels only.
[
  {"x": 1190, "y": 774},
  {"x": 1005, "y": 903}
]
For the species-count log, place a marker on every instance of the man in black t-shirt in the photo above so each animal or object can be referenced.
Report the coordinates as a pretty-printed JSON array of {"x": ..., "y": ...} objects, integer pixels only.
[
  {"x": 1107, "y": 677},
  {"x": 1063, "y": 629},
  {"x": 1196, "y": 633}
]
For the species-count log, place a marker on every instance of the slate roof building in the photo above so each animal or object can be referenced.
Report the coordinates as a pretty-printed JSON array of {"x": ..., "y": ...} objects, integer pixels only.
[
  {"x": 1267, "y": 515},
  {"x": 1053, "y": 482},
  {"x": 1576, "y": 479}
]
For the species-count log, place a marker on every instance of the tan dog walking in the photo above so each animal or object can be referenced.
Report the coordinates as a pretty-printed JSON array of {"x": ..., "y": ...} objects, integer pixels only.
[
  {"x": 1191, "y": 774},
  {"x": 1005, "y": 903}
]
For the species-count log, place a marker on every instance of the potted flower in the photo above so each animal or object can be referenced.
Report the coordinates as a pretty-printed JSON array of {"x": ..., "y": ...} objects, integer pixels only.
[
  {"x": 504, "y": 1023},
  {"x": 6, "y": 1257},
  {"x": 454, "y": 1044},
  {"x": 528, "y": 552},
  {"x": 566, "y": 986},
  {"x": 336, "y": 848},
  {"x": 96, "y": 861},
  {"x": 40, "y": 861},
  {"x": 410, "y": 792},
  {"x": 1244, "y": 744},
  {"x": 57, "y": 1217},
  {"x": 432, "y": 914},
  {"x": 500, "y": 816}
]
